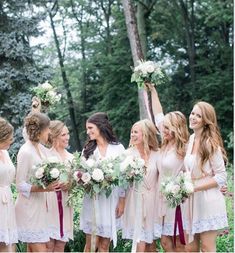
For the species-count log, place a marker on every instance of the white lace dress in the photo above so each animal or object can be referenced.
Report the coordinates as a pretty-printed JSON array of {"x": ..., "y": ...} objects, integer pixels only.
[
  {"x": 207, "y": 208},
  {"x": 31, "y": 207},
  {"x": 8, "y": 229},
  {"x": 105, "y": 223}
]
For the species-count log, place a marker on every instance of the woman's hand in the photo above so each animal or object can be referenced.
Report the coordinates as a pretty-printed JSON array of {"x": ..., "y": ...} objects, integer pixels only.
[
  {"x": 36, "y": 104},
  {"x": 120, "y": 207},
  {"x": 64, "y": 186},
  {"x": 54, "y": 186},
  {"x": 224, "y": 189}
]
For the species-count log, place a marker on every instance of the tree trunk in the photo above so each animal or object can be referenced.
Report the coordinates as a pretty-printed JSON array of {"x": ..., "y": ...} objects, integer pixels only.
[
  {"x": 136, "y": 50},
  {"x": 66, "y": 86}
]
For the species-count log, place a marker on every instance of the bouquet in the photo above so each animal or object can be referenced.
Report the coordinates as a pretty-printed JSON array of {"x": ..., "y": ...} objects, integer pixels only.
[
  {"x": 148, "y": 71},
  {"x": 94, "y": 176},
  {"x": 176, "y": 189},
  {"x": 48, "y": 172},
  {"x": 132, "y": 170},
  {"x": 47, "y": 94}
]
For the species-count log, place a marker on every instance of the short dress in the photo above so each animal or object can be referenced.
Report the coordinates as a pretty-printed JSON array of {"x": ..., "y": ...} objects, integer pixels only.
[
  {"x": 106, "y": 224},
  {"x": 207, "y": 208},
  {"x": 31, "y": 207},
  {"x": 147, "y": 203},
  {"x": 53, "y": 210},
  {"x": 8, "y": 228}
]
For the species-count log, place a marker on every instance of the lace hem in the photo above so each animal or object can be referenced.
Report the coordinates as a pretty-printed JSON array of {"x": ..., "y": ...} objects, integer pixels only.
[
  {"x": 100, "y": 230},
  {"x": 145, "y": 236},
  {"x": 54, "y": 233},
  {"x": 157, "y": 230},
  {"x": 8, "y": 238},
  {"x": 168, "y": 228},
  {"x": 33, "y": 236},
  {"x": 212, "y": 223}
]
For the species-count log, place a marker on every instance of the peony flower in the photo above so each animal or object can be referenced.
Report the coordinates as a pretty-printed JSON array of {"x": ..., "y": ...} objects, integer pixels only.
[
  {"x": 90, "y": 163},
  {"x": 52, "y": 94},
  {"x": 175, "y": 189},
  {"x": 188, "y": 187},
  {"x": 39, "y": 173},
  {"x": 54, "y": 173},
  {"x": 98, "y": 175},
  {"x": 86, "y": 178},
  {"x": 47, "y": 86},
  {"x": 77, "y": 175}
]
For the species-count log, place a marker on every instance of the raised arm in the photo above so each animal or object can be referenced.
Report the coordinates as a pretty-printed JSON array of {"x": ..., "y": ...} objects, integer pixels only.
[{"x": 156, "y": 104}]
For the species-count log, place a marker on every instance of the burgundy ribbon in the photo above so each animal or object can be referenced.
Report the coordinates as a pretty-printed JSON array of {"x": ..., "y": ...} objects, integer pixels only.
[
  {"x": 60, "y": 207},
  {"x": 179, "y": 222}
]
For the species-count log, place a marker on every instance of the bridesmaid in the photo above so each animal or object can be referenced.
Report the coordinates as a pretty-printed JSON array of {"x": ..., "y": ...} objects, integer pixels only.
[
  {"x": 206, "y": 159},
  {"x": 31, "y": 206},
  {"x": 102, "y": 143},
  {"x": 175, "y": 135},
  {"x": 8, "y": 229},
  {"x": 144, "y": 144},
  {"x": 59, "y": 140}
]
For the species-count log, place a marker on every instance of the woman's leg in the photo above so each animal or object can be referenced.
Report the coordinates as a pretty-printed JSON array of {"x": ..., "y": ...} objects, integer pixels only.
[
  {"x": 87, "y": 247},
  {"x": 208, "y": 241},
  {"x": 37, "y": 247},
  {"x": 194, "y": 246},
  {"x": 59, "y": 246},
  {"x": 141, "y": 246},
  {"x": 151, "y": 247},
  {"x": 167, "y": 243},
  {"x": 50, "y": 245},
  {"x": 103, "y": 244},
  {"x": 7, "y": 248}
]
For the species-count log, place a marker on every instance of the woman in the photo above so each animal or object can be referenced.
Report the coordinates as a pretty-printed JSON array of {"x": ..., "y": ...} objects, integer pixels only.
[
  {"x": 59, "y": 141},
  {"x": 143, "y": 144},
  {"x": 8, "y": 229},
  {"x": 102, "y": 144},
  {"x": 206, "y": 159},
  {"x": 31, "y": 206},
  {"x": 170, "y": 162}
]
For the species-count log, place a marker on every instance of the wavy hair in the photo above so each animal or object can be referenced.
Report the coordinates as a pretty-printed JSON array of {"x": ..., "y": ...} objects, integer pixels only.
[
  {"x": 56, "y": 127},
  {"x": 149, "y": 132},
  {"x": 100, "y": 119},
  {"x": 177, "y": 124},
  {"x": 35, "y": 123},
  {"x": 6, "y": 130},
  {"x": 211, "y": 138}
]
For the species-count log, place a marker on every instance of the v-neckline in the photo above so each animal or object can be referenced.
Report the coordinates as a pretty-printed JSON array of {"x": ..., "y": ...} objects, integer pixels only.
[{"x": 106, "y": 151}]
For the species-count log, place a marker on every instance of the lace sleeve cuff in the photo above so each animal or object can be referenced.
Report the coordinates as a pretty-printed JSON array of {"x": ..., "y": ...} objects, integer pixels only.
[
  {"x": 220, "y": 179},
  {"x": 24, "y": 188}
]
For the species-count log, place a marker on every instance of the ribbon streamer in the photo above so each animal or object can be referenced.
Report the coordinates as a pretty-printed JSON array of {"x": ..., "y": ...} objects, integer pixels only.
[
  {"x": 179, "y": 222},
  {"x": 61, "y": 214}
]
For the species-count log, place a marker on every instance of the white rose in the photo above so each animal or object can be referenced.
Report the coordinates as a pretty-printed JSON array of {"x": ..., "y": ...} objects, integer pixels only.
[
  {"x": 47, "y": 86},
  {"x": 169, "y": 187},
  {"x": 39, "y": 173},
  {"x": 52, "y": 94},
  {"x": 175, "y": 189},
  {"x": 86, "y": 177},
  {"x": 90, "y": 163},
  {"x": 188, "y": 187},
  {"x": 54, "y": 173},
  {"x": 150, "y": 68},
  {"x": 97, "y": 175}
]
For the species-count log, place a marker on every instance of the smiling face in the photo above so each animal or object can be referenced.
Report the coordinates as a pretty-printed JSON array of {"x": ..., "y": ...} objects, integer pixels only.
[
  {"x": 195, "y": 118},
  {"x": 92, "y": 131},
  {"x": 168, "y": 135},
  {"x": 136, "y": 135},
  {"x": 63, "y": 138}
]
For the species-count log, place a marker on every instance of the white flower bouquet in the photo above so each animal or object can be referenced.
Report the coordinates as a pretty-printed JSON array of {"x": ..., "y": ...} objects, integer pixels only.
[
  {"x": 47, "y": 94},
  {"x": 48, "y": 172},
  {"x": 148, "y": 71},
  {"x": 176, "y": 189},
  {"x": 94, "y": 176},
  {"x": 132, "y": 170}
]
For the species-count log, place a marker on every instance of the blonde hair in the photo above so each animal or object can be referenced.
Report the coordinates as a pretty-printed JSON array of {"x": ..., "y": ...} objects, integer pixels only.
[
  {"x": 56, "y": 127},
  {"x": 6, "y": 130},
  {"x": 177, "y": 124},
  {"x": 149, "y": 132},
  {"x": 35, "y": 123},
  {"x": 211, "y": 138}
]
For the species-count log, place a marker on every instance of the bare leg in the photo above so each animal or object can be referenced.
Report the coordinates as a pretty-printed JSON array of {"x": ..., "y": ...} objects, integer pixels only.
[
  {"x": 194, "y": 246},
  {"x": 7, "y": 248},
  {"x": 167, "y": 243},
  {"x": 104, "y": 244},
  {"x": 151, "y": 247},
  {"x": 87, "y": 247},
  {"x": 59, "y": 246},
  {"x": 141, "y": 246},
  {"x": 208, "y": 241},
  {"x": 50, "y": 245},
  {"x": 37, "y": 247}
]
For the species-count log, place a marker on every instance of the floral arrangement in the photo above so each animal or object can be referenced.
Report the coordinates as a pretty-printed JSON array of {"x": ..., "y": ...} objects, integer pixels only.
[
  {"x": 47, "y": 94},
  {"x": 48, "y": 172},
  {"x": 94, "y": 176},
  {"x": 148, "y": 71},
  {"x": 132, "y": 170},
  {"x": 176, "y": 189}
]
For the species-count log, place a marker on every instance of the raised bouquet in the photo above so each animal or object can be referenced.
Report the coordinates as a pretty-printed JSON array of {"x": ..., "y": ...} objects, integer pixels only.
[
  {"x": 132, "y": 170},
  {"x": 177, "y": 189},
  {"x": 94, "y": 176},
  {"x": 148, "y": 71},
  {"x": 49, "y": 171},
  {"x": 47, "y": 94}
]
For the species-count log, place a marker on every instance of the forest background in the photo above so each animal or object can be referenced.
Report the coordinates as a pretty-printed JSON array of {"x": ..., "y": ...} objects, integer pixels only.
[{"x": 82, "y": 48}]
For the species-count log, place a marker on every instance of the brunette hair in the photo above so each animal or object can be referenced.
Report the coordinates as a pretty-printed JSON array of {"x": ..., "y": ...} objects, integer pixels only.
[{"x": 6, "y": 130}]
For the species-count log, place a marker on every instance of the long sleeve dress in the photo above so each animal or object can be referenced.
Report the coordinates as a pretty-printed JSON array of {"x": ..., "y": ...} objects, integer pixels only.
[
  {"x": 106, "y": 224},
  {"x": 169, "y": 165},
  {"x": 207, "y": 209},
  {"x": 145, "y": 210},
  {"x": 53, "y": 211},
  {"x": 8, "y": 228},
  {"x": 31, "y": 207}
]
